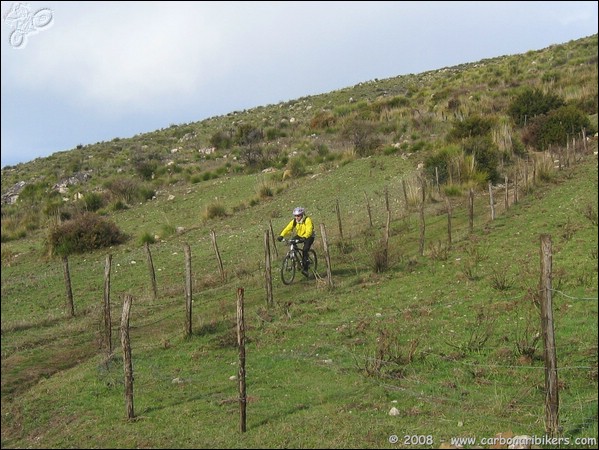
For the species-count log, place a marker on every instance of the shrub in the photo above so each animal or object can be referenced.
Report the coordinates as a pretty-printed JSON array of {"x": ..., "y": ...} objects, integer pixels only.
[
  {"x": 128, "y": 190},
  {"x": 557, "y": 127},
  {"x": 442, "y": 161},
  {"x": 221, "y": 140},
  {"x": 361, "y": 133},
  {"x": 296, "y": 167},
  {"x": 531, "y": 103},
  {"x": 323, "y": 119},
  {"x": 146, "y": 169},
  {"x": 485, "y": 154},
  {"x": 470, "y": 127},
  {"x": 86, "y": 232},
  {"x": 215, "y": 210},
  {"x": 93, "y": 201}
]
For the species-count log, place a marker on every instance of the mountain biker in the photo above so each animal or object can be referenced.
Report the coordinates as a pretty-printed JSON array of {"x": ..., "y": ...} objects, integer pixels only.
[{"x": 304, "y": 232}]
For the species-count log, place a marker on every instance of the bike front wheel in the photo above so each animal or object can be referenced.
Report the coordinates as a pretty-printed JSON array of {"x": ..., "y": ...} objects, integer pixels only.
[{"x": 288, "y": 270}]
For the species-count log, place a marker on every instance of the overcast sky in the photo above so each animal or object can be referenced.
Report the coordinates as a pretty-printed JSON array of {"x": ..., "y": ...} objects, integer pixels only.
[{"x": 85, "y": 72}]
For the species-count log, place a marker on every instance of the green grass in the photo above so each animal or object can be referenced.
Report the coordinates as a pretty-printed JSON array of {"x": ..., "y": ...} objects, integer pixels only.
[{"x": 431, "y": 336}]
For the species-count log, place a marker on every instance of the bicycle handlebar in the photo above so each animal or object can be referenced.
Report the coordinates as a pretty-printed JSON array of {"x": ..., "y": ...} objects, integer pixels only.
[{"x": 292, "y": 241}]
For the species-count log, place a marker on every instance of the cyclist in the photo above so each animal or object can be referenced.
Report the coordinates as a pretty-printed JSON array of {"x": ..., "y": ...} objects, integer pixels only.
[{"x": 304, "y": 232}]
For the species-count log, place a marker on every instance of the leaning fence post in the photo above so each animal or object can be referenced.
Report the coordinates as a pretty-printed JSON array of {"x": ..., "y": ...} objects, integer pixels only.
[
  {"x": 368, "y": 209},
  {"x": 339, "y": 220},
  {"x": 151, "y": 269},
  {"x": 274, "y": 241},
  {"x": 220, "y": 261},
  {"x": 67, "y": 282}
]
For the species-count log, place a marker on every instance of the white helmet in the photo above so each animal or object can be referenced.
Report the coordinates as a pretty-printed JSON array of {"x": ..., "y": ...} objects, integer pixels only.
[{"x": 299, "y": 211}]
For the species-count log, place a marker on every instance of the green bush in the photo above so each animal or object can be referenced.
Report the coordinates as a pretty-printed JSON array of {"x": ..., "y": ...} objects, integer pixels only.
[
  {"x": 440, "y": 164},
  {"x": 470, "y": 127},
  {"x": 86, "y": 232},
  {"x": 556, "y": 128},
  {"x": 296, "y": 167},
  {"x": 146, "y": 169},
  {"x": 486, "y": 155},
  {"x": 531, "y": 103},
  {"x": 221, "y": 140},
  {"x": 93, "y": 201}
]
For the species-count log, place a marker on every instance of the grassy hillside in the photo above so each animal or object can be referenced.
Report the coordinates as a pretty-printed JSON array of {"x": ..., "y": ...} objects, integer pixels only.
[{"x": 449, "y": 337}]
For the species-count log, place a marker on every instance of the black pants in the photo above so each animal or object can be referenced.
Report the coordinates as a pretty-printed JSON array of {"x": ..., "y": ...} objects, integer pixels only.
[{"x": 307, "y": 245}]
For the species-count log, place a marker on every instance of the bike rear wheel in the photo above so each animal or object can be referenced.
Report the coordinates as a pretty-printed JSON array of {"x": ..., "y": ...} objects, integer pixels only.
[{"x": 288, "y": 270}]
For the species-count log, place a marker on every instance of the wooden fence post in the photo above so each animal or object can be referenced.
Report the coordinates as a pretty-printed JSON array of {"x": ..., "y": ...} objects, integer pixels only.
[
  {"x": 386, "y": 238},
  {"x": 107, "y": 319},
  {"x": 516, "y": 186},
  {"x": 67, "y": 281},
  {"x": 151, "y": 269},
  {"x": 241, "y": 371},
  {"x": 188, "y": 290},
  {"x": 387, "y": 198},
  {"x": 274, "y": 241},
  {"x": 405, "y": 193},
  {"x": 551, "y": 382},
  {"x": 422, "y": 222},
  {"x": 507, "y": 194},
  {"x": 368, "y": 209},
  {"x": 491, "y": 201},
  {"x": 471, "y": 210},
  {"x": 448, "y": 203},
  {"x": 267, "y": 270},
  {"x": 327, "y": 256},
  {"x": 220, "y": 261},
  {"x": 127, "y": 364},
  {"x": 339, "y": 220}
]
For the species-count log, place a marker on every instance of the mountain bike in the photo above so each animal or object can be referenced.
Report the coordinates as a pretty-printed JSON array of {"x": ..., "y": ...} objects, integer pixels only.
[{"x": 293, "y": 261}]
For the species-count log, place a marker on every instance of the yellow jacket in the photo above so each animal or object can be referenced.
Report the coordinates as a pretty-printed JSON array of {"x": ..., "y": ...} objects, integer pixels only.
[{"x": 303, "y": 229}]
